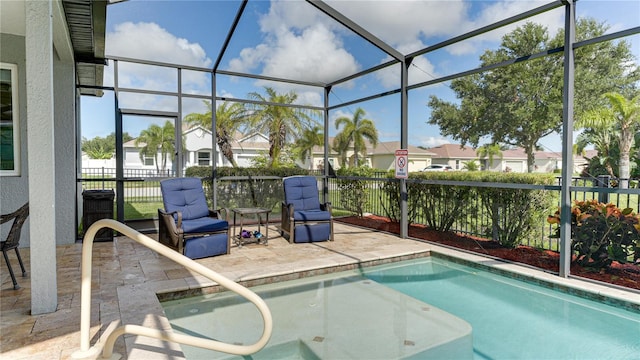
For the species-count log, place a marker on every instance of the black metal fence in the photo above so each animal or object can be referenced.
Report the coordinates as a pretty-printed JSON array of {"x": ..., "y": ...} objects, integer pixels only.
[
  {"x": 364, "y": 196},
  {"x": 140, "y": 185}
]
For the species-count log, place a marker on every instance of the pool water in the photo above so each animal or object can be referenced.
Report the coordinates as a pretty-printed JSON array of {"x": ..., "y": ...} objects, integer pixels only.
[
  {"x": 512, "y": 319},
  {"x": 416, "y": 309}
]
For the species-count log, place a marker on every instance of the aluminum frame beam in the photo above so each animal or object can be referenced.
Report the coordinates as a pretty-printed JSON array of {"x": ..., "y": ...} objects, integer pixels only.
[{"x": 351, "y": 25}]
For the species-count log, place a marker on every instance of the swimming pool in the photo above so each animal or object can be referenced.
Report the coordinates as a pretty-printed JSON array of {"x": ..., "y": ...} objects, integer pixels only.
[{"x": 414, "y": 309}]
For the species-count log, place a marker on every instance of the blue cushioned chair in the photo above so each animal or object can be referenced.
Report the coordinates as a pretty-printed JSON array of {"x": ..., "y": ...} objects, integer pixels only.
[
  {"x": 187, "y": 225},
  {"x": 304, "y": 219}
]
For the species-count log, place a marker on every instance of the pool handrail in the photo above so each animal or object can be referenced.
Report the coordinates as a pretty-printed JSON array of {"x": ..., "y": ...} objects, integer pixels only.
[{"x": 85, "y": 316}]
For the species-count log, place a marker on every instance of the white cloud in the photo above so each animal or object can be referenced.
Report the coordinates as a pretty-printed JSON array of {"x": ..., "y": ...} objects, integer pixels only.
[
  {"x": 286, "y": 15},
  {"x": 302, "y": 43},
  {"x": 421, "y": 68},
  {"x": 415, "y": 21},
  {"x": 149, "y": 41},
  {"x": 401, "y": 22},
  {"x": 314, "y": 55},
  {"x": 299, "y": 45}
]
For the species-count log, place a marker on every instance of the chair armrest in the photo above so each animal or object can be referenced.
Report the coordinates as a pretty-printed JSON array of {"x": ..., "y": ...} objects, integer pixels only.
[
  {"x": 287, "y": 209},
  {"x": 214, "y": 213},
  {"x": 222, "y": 214},
  {"x": 176, "y": 226},
  {"x": 24, "y": 209},
  {"x": 168, "y": 233},
  {"x": 7, "y": 217},
  {"x": 286, "y": 215}
]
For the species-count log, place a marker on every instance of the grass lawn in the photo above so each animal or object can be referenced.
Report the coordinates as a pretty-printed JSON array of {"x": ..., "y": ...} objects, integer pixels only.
[{"x": 142, "y": 210}]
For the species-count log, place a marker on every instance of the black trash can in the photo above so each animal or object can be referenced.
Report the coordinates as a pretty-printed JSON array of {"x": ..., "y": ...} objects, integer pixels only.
[{"x": 97, "y": 205}]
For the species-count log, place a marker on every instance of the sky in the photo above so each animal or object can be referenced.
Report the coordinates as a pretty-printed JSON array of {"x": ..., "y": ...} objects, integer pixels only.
[{"x": 293, "y": 40}]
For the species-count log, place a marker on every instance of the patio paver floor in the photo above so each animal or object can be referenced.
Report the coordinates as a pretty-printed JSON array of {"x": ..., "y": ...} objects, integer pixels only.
[{"x": 126, "y": 276}]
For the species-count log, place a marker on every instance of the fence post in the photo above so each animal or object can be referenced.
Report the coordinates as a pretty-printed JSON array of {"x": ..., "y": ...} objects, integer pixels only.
[{"x": 603, "y": 182}]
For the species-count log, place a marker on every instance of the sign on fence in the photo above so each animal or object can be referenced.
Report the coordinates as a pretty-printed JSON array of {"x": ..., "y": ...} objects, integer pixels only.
[{"x": 402, "y": 164}]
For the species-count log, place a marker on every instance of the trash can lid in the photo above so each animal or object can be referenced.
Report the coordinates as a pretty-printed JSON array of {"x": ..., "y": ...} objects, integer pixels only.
[{"x": 98, "y": 193}]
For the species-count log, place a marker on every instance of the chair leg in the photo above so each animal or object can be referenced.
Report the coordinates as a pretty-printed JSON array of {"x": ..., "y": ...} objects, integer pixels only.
[
  {"x": 13, "y": 277},
  {"x": 24, "y": 271},
  {"x": 292, "y": 229}
]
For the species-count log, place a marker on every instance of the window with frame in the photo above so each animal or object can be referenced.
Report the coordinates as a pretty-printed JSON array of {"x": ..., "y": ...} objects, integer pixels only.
[
  {"x": 149, "y": 160},
  {"x": 9, "y": 121},
  {"x": 204, "y": 158}
]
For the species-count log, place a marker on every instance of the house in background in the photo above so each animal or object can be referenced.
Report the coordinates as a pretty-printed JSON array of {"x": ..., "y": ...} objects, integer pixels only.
[
  {"x": 455, "y": 156},
  {"x": 380, "y": 157},
  {"x": 247, "y": 148},
  {"x": 197, "y": 142},
  {"x": 383, "y": 156},
  {"x": 512, "y": 160},
  {"x": 197, "y": 145}
]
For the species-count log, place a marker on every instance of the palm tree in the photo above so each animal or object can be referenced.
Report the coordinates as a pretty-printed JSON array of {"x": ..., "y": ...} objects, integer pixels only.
[
  {"x": 309, "y": 139},
  {"x": 229, "y": 118},
  {"x": 157, "y": 138},
  {"x": 354, "y": 131},
  {"x": 605, "y": 142},
  {"x": 622, "y": 115},
  {"x": 281, "y": 123},
  {"x": 489, "y": 151}
]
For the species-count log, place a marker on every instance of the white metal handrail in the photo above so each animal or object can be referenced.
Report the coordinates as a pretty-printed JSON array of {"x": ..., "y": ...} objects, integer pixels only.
[{"x": 87, "y": 352}]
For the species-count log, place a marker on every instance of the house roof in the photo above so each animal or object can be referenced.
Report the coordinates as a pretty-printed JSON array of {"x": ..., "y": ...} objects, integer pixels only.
[
  {"x": 385, "y": 147},
  {"x": 389, "y": 147},
  {"x": 86, "y": 21},
  {"x": 453, "y": 151}
]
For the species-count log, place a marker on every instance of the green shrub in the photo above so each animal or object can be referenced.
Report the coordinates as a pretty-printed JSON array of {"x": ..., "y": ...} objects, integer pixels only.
[
  {"x": 511, "y": 214},
  {"x": 245, "y": 187},
  {"x": 515, "y": 214},
  {"x": 601, "y": 233},
  {"x": 390, "y": 199},
  {"x": 354, "y": 193}
]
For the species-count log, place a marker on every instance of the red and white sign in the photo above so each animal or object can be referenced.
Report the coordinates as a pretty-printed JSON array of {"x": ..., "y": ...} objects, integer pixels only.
[{"x": 402, "y": 164}]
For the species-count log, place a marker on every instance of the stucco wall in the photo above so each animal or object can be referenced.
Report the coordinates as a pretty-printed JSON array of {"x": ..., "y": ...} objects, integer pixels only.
[
  {"x": 65, "y": 149},
  {"x": 14, "y": 190}
]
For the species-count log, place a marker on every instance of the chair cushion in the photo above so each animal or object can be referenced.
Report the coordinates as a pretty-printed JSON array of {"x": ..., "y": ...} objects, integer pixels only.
[
  {"x": 184, "y": 195},
  {"x": 205, "y": 224},
  {"x": 312, "y": 233},
  {"x": 311, "y": 215},
  {"x": 196, "y": 248},
  {"x": 302, "y": 192}
]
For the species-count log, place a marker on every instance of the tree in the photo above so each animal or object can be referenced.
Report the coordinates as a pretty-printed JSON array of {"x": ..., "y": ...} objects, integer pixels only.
[
  {"x": 605, "y": 143},
  {"x": 489, "y": 151},
  {"x": 102, "y": 148},
  {"x": 282, "y": 123},
  {"x": 623, "y": 117},
  {"x": 470, "y": 165},
  {"x": 230, "y": 117},
  {"x": 355, "y": 130},
  {"x": 156, "y": 138},
  {"x": 521, "y": 103},
  {"x": 286, "y": 159},
  {"x": 309, "y": 139}
]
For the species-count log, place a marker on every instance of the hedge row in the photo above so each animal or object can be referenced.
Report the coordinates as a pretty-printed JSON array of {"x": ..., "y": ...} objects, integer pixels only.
[{"x": 513, "y": 215}]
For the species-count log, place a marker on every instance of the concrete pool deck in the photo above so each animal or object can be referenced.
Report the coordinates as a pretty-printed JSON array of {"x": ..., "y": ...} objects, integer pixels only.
[{"x": 127, "y": 277}]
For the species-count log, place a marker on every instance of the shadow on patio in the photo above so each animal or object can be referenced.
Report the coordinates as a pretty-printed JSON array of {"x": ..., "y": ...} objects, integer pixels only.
[{"x": 127, "y": 277}]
